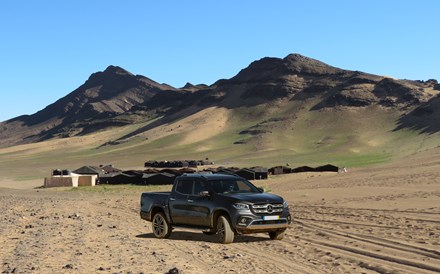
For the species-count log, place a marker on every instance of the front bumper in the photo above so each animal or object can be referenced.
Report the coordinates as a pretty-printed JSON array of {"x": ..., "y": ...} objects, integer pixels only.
[
  {"x": 246, "y": 224},
  {"x": 263, "y": 225}
]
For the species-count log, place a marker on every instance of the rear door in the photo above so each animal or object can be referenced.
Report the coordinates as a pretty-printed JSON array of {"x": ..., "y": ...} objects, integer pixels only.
[{"x": 178, "y": 202}]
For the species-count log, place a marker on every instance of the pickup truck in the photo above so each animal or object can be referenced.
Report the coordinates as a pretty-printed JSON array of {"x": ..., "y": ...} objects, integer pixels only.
[{"x": 219, "y": 204}]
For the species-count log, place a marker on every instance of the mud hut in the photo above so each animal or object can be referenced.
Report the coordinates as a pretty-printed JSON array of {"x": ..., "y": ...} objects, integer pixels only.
[{"x": 280, "y": 170}]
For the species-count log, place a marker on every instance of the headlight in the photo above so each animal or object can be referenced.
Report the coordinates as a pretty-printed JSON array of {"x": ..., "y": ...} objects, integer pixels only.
[
  {"x": 285, "y": 204},
  {"x": 240, "y": 206}
]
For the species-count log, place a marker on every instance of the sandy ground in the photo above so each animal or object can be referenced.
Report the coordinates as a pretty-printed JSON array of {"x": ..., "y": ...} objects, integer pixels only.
[{"x": 370, "y": 220}]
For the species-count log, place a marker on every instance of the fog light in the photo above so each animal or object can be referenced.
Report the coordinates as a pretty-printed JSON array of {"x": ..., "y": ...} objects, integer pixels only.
[{"x": 242, "y": 221}]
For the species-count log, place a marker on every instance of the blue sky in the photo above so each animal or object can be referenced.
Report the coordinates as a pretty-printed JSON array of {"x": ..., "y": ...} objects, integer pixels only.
[{"x": 49, "y": 48}]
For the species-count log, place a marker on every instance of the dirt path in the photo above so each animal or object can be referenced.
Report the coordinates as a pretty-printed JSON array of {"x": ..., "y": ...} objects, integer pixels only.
[{"x": 368, "y": 221}]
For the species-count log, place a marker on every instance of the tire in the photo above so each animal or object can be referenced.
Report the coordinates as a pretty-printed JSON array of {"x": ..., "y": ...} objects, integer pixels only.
[
  {"x": 161, "y": 227},
  {"x": 224, "y": 230},
  {"x": 276, "y": 235}
]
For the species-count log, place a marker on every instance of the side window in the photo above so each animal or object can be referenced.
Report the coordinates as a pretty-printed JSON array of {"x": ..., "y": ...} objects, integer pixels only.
[
  {"x": 242, "y": 186},
  {"x": 224, "y": 186},
  {"x": 199, "y": 187},
  {"x": 184, "y": 187}
]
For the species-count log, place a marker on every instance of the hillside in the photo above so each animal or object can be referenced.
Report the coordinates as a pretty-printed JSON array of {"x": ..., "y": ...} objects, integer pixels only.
[
  {"x": 275, "y": 111},
  {"x": 91, "y": 107}
]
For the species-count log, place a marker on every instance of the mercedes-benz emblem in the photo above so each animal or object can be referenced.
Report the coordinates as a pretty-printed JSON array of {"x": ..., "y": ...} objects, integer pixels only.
[{"x": 269, "y": 209}]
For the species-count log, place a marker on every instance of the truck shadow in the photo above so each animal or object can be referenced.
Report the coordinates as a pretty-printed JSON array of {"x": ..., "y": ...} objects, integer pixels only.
[{"x": 200, "y": 237}]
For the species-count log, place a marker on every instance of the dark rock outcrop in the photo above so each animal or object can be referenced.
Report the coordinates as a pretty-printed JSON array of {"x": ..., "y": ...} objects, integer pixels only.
[{"x": 116, "y": 97}]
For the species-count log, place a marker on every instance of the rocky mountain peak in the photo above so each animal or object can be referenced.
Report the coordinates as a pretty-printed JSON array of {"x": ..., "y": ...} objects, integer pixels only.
[
  {"x": 188, "y": 85},
  {"x": 109, "y": 74},
  {"x": 272, "y": 69},
  {"x": 298, "y": 57},
  {"x": 116, "y": 70},
  {"x": 297, "y": 63}
]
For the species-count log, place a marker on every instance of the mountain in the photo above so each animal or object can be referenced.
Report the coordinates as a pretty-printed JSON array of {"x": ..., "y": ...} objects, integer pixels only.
[
  {"x": 276, "y": 106},
  {"x": 91, "y": 107},
  {"x": 298, "y": 77}
]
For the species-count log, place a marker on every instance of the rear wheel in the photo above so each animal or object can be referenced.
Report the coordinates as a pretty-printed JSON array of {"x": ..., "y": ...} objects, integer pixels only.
[
  {"x": 276, "y": 235},
  {"x": 160, "y": 225},
  {"x": 224, "y": 230}
]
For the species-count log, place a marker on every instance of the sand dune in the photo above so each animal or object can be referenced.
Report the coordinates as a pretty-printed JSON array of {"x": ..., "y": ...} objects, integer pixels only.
[{"x": 370, "y": 220}]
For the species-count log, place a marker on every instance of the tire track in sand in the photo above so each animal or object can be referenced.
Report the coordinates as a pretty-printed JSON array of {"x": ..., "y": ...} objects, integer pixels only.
[{"x": 340, "y": 230}]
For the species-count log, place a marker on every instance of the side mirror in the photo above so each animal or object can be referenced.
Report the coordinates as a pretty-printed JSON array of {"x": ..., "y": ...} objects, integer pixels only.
[
  {"x": 204, "y": 194},
  {"x": 261, "y": 189}
]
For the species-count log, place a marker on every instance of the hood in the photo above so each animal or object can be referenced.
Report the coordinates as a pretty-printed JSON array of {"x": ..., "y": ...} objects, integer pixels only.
[{"x": 255, "y": 198}]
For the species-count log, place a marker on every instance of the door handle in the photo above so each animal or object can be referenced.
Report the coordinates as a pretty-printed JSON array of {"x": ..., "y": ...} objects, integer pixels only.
[
  {"x": 172, "y": 199},
  {"x": 190, "y": 201}
]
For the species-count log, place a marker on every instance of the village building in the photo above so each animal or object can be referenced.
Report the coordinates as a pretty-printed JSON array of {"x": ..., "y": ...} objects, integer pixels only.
[
  {"x": 118, "y": 179},
  {"x": 175, "y": 172},
  {"x": 110, "y": 169},
  {"x": 224, "y": 170},
  {"x": 162, "y": 178},
  {"x": 151, "y": 170},
  {"x": 280, "y": 170},
  {"x": 69, "y": 179},
  {"x": 60, "y": 172},
  {"x": 90, "y": 170},
  {"x": 151, "y": 164},
  {"x": 261, "y": 173},
  {"x": 327, "y": 168},
  {"x": 303, "y": 169},
  {"x": 246, "y": 173},
  {"x": 186, "y": 170},
  {"x": 177, "y": 163}
]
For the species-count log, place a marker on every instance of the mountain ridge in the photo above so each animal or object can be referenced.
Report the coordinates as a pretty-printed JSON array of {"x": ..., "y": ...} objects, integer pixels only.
[{"x": 116, "y": 97}]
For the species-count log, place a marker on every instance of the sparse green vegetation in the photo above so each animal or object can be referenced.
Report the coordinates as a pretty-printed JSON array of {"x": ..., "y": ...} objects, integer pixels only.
[
  {"x": 364, "y": 137},
  {"x": 120, "y": 188},
  {"x": 26, "y": 178}
]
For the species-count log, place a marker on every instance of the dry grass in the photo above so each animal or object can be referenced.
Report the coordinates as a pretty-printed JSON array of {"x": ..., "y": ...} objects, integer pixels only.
[{"x": 363, "y": 136}]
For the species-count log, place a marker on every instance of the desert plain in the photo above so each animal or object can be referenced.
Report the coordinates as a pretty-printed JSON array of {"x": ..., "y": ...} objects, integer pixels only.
[{"x": 376, "y": 219}]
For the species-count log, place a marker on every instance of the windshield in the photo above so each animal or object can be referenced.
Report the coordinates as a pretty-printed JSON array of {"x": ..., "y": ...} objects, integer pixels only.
[{"x": 233, "y": 186}]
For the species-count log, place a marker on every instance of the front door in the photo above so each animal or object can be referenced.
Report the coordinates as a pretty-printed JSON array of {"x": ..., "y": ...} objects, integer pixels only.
[{"x": 199, "y": 206}]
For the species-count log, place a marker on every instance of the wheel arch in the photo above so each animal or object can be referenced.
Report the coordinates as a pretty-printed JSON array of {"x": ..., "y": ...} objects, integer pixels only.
[
  {"x": 217, "y": 213},
  {"x": 157, "y": 209}
]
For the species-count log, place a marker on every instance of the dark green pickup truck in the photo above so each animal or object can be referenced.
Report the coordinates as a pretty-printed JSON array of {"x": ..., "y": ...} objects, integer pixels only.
[{"x": 216, "y": 204}]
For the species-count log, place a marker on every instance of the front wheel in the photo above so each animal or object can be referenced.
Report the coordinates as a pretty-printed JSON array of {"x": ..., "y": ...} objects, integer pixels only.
[
  {"x": 276, "y": 235},
  {"x": 160, "y": 225},
  {"x": 224, "y": 230}
]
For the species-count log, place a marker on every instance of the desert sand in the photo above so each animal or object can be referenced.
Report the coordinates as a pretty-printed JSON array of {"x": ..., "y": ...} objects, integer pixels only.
[{"x": 382, "y": 219}]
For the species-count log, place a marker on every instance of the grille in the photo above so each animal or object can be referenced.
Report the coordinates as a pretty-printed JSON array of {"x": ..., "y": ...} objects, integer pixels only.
[
  {"x": 267, "y": 208},
  {"x": 269, "y": 222}
]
